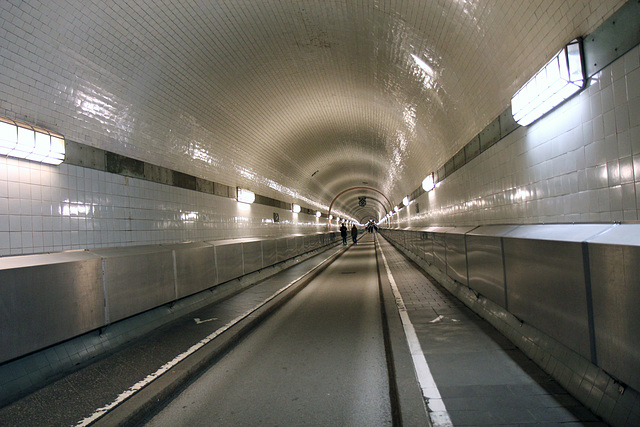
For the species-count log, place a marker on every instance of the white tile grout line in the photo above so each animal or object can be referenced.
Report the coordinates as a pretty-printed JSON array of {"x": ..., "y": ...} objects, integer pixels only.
[
  {"x": 437, "y": 410},
  {"x": 167, "y": 366}
]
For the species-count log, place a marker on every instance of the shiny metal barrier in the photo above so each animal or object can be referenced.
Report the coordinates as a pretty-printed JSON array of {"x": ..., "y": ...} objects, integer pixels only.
[
  {"x": 577, "y": 283},
  {"x": 49, "y": 298}
]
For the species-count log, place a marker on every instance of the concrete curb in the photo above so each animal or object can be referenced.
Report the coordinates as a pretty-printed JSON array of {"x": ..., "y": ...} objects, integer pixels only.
[{"x": 410, "y": 408}]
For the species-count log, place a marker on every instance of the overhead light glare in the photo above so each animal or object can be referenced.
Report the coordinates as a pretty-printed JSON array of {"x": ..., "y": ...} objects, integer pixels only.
[
  {"x": 318, "y": 214},
  {"x": 246, "y": 196},
  {"x": 405, "y": 201},
  {"x": 330, "y": 217},
  {"x": 428, "y": 183},
  {"x": 31, "y": 143},
  {"x": 295, "y": 208},
  {"x": 423, "y": 65},
  {"x": 558, "y": 80}
]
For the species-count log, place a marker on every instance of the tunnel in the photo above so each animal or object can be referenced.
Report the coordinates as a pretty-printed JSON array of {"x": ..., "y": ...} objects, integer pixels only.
[{"x": 158, "y": 157}]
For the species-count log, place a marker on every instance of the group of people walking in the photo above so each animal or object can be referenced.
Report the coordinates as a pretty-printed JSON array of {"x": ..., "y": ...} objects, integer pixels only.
[
  {"x": 370, "y": 227},
  {"x": 354, "y": 234}
]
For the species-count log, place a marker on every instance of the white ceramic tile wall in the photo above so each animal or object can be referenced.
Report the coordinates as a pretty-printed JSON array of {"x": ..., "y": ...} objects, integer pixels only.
[
  {"x": 53, "y": 208},
  {"x": 580, "y": 163},
  {"x": 265, "y": 93}
]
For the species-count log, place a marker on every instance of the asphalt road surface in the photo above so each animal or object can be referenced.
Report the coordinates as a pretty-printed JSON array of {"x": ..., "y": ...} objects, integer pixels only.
[{"x": 318, "y": 360}]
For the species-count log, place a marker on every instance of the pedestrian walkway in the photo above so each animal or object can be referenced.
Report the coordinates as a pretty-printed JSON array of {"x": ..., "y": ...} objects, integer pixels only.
[{"x": 482, "y": 377}]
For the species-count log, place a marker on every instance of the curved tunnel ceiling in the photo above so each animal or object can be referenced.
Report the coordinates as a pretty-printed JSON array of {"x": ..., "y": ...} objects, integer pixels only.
[{"x": 299, "y": 100}]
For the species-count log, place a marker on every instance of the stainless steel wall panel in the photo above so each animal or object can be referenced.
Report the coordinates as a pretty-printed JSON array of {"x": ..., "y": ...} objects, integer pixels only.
[
  {"x": 439, "y": 251},
  {"x": 546, "y": 288},
  {"x": 299, "y": 245},
  {"x": 559, "y": 232},
  {"x": 413, "y": 241},
  {"x": 484, "y": 257},
  {"x": 456, "y": 257},
  {"x": 429, "y": 238},
  {"x": 457, "y": 254},
  {"x": 292, "y": 246},
  {"x": 195, "y": 267},
  {"x": 136, "y": 279},
  {"x": 282, "y": 249},
  {"x": 404, "y": 237},
  {"x": 228, "y": 260},
  {"x": 425, "y": 247},
  {"x": 614, "y": 258},
  {"x": 269, "y": 252},
  {"x": 45, "y": 299},
  {"x": 252, "y": 256},
  {"x": 308, "y": 242}
]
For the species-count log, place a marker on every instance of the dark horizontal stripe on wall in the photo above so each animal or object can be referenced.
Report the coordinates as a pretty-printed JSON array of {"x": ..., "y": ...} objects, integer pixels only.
[
  {"x": 268, "y": 201},
  {"x": 184, "y": 180},
  {"x": 78, "y": 154}
]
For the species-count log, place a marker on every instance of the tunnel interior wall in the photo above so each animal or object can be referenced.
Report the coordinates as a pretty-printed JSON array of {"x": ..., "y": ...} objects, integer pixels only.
[
  {"x": 578, "y": 284},
  {"x": 47, "y": 208},
  {"x": 49, "y": 298},
  {"x": 578, "y": 164}
]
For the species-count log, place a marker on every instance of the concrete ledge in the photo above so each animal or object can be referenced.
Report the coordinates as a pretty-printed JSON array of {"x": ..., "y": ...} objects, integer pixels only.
[{"x": 408, "y": 405}]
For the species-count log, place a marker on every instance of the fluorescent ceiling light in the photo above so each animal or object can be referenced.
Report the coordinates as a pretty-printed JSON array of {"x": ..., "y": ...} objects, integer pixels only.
[
  {"x": 318, "y": 214},
  {"x": 427, "y": 183},
  {"x": 423, "y": 65},
  {"x": 31, "y": 143},
  {"x": 246, "y": 196},
  {"x": 295, "y": 208},
  {"x": 405, "y": 201},
  {"x": 557, "y": 81}
]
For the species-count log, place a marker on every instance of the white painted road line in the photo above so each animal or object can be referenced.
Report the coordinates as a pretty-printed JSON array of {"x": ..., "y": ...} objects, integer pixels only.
[
  {"x": 437, "y": 410},
  {"x": 167, "y": 366},
  {"x": 198, "y": 321}
]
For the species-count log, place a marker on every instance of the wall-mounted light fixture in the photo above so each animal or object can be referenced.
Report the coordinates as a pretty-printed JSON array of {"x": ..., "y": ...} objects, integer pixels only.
[
  {"x": 295, "y": 208},
  {"x": 405, "y": 201},
  {"x": 557, "y": 81},
  {"x": 330, "y": 217},
  {"x": 318, "y": 214},
  {"x": 245, "y": 196},
  {"x": 396, "y": 209},
  {"x": 428, "y": 183},
  {"x": 28, "y": 142}
]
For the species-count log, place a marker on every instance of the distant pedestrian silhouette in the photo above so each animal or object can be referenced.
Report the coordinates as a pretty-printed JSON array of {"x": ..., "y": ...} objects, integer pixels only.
[{"x": 343, "y": 233}]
